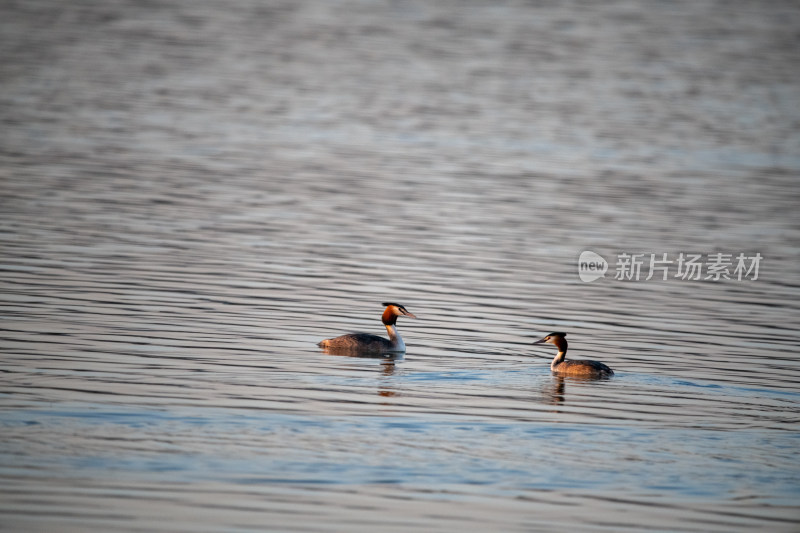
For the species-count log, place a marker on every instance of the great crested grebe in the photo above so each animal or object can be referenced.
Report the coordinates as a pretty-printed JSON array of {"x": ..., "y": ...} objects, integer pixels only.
[
  {"x": 573, "y": 368},
  {"x": 366, "y": 342}
]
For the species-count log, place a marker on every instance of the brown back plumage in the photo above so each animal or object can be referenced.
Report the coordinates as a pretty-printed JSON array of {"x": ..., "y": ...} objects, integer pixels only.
[
  {"x": 361, "y": 341},
  {"x": 583, "y": 368}
]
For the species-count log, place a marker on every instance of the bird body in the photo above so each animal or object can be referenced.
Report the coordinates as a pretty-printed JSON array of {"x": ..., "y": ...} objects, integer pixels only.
[
  {"x": 581, "y": 368},
  {"x": 369, "y": 343}
]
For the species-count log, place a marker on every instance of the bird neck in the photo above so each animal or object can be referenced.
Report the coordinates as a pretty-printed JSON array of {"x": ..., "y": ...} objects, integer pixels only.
[
  {"x": 561, "y": 344},
  {"x": 558, "y": 359},
  {"x": 394, "y": 336}
]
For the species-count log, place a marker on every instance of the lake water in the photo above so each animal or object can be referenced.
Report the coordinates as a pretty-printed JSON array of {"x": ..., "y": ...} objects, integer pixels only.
[{"x": 194, "y": 193}]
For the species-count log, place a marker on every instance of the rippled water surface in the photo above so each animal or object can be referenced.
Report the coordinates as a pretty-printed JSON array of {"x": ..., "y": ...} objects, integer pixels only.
[{"x": 195, "y": 193}]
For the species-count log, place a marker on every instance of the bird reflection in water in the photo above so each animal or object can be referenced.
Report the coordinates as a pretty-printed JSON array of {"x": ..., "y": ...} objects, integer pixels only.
[
  {"x": 387, "y": 370},
  {"x": 554, "y": 392},
  {"x": 388, "y": 363}
]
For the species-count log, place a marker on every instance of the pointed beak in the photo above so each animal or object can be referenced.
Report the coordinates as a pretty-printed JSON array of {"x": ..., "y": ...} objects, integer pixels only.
[
  {"x": 540, "y": 341},
  {"x": 409, "y": 315}
]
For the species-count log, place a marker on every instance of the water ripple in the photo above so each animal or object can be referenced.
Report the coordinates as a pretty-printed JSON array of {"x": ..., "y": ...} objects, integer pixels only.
[{"x": 194, "y": 194}]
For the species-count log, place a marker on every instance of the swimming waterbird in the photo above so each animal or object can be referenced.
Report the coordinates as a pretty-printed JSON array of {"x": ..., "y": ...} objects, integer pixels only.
[
  {"x": 572, "y": 368},
  {"x": 368, "y": 343}
]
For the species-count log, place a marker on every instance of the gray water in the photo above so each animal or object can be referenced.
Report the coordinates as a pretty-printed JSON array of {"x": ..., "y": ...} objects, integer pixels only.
[{"x": 194, "y": 193}]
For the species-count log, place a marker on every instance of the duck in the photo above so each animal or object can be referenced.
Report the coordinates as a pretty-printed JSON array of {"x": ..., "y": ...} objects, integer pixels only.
[
  {"x": 369, "y": 343},
  {"x": 581, "y": 368}
]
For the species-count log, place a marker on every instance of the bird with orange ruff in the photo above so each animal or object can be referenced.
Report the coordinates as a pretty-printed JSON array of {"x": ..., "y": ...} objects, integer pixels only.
[{"x": 368, "y": 343}]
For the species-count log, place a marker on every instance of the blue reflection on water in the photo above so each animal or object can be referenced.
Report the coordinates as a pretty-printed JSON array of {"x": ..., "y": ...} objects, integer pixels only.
[{"x": 253, "y": 446}]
